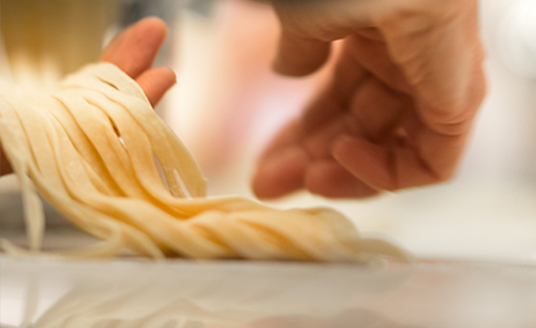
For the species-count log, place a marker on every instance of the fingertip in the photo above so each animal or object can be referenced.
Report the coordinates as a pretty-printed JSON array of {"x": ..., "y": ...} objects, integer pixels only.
[
  {"x": 280, "y": 174},
  {"x": 153, "y": 21},
  {"x": 155, "y": 82},
  {"x": 166, "y": 74},
  {"x": 299, "y": 56},
  {"x": 135, "y": 49},
  {"x": 154, "y": 26}
]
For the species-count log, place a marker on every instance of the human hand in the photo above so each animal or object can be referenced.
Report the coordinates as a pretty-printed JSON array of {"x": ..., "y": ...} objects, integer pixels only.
[
  {"x": 134, "y": 52},
  {"x": 398, "y": 107}
]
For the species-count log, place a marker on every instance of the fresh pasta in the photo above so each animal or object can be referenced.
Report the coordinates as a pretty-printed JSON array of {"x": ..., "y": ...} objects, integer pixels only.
[{"x": 90, "y": 149}]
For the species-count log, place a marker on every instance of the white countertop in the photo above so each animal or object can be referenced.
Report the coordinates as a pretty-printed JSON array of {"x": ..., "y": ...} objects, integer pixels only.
[
  {"x": 487, "y": 277},
  {"x": 134, "y": 293}
]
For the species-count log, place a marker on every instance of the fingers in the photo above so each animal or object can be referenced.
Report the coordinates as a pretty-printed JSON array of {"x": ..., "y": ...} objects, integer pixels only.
[
  {"x": 293, "y": 170},
  {"x": 308, "y": 28},
  {"x": 155, "y": 82},
  {"x": 431, "y": 160},
  {"x": 347, "y": 77},
  {"x": 281, "y": 168},
  {"x": 404, "y": 93},
  {"x": 135, "y": 49},
  {"x": 368, "y": 161},
  {"x": 299, "y": 56},
  {"x": 330, "y": 179},
  {"x": 281, "y": 174},
  {"x": 352, "y": 103},
  {"x": 377, "y": 111},
  {"x": 390, "y": 150},
  {"x": 373, "y": 54},
  {"x": 134, "y": 52}
]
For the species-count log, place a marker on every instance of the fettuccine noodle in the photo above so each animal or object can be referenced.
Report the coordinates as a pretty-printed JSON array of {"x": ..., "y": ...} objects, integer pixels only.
[{"x": 89, "y": 148}]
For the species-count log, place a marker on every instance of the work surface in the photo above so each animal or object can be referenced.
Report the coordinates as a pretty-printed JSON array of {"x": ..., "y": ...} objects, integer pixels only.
[
  {"x": 132, "y": 293},
  {"x": 179, "y": 293}
]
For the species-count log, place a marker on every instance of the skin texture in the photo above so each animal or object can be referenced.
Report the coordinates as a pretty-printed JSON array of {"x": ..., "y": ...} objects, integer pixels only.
[
  {"x": 396, "y": 112},
  {"x": 398, "y": 107},
  {"x": 134, "y": 52}
]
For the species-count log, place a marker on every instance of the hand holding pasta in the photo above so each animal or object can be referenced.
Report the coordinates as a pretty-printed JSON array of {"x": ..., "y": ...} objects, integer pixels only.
[
  {"x": 89, "y": 149},
  {"x": 399, "y": 104},
  {"x": 134, "y": 51}
]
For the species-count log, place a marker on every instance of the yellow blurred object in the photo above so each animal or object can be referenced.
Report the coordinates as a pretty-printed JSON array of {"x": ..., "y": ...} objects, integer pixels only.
[{"x": 45, "y": 40}]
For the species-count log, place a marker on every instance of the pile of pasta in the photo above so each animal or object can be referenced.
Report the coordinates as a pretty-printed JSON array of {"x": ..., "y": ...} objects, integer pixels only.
[{"x": 95, "y": 150}]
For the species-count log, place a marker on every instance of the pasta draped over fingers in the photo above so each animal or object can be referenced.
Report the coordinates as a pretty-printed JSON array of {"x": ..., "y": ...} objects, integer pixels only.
[{"x": 89, "y": 148}]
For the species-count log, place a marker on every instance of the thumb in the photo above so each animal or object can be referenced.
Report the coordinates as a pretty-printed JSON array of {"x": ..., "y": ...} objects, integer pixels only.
[{"x": 300, "y": 56}]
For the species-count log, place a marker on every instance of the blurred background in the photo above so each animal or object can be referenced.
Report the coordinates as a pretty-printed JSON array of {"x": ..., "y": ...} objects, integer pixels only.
[{"x": 227, "y": 104}]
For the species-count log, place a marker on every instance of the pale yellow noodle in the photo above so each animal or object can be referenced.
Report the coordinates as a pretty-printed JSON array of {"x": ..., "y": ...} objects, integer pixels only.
[
  {"x": 89, "y": 148},
  {"x": 80, "y": 141},
  {"x": 166, "y": 146}
]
